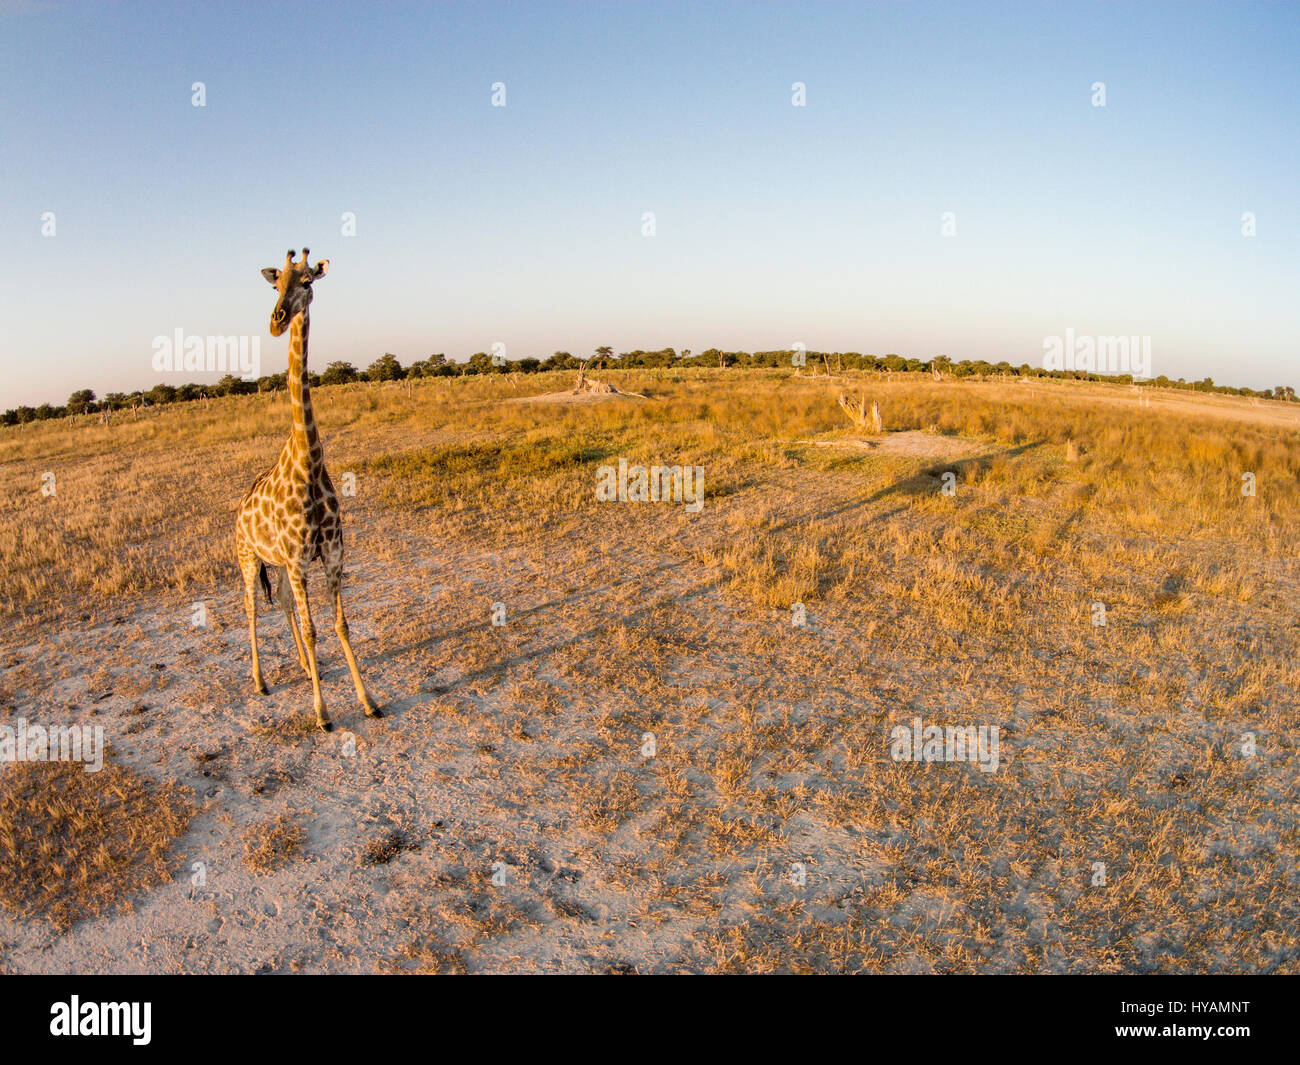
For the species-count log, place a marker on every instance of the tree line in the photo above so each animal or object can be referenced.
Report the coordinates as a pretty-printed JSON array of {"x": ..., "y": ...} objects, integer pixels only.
[{"x": 388, "y": 368}]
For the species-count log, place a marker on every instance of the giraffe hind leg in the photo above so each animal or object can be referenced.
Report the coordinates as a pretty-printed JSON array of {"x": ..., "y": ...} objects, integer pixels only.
[{"x": 286, "y": 604}]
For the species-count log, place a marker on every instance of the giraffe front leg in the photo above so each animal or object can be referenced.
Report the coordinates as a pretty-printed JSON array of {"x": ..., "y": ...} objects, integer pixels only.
[
  {"x": 335, "y": 580},
  {"x": 298, "y": 583}
]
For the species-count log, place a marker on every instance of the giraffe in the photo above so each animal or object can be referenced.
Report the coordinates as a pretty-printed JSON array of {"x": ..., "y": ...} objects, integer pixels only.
[{"x": 290, "y": 516}]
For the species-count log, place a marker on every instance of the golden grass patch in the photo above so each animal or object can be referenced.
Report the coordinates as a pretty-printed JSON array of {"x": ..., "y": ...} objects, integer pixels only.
[
  {"x": 272, "y": 843},
  {"x": 75, "y": 844}
]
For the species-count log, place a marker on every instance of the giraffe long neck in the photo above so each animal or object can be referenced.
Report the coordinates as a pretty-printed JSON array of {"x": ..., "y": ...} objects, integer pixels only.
[{"x": 304, "y": 421}]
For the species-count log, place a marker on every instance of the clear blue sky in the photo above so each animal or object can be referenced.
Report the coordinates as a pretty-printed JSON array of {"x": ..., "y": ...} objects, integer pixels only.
[{"x": 522, "y": 224}]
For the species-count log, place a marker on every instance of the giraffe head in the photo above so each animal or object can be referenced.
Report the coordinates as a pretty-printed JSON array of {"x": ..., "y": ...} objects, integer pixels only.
[{"x": 293, "y": 283}]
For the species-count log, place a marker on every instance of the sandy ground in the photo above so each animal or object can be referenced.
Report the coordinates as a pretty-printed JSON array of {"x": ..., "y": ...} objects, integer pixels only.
[
  {"x": 575, "y": 397},
  {"x": 569, "y": 900},
  {"x": 910, "y": 443}
]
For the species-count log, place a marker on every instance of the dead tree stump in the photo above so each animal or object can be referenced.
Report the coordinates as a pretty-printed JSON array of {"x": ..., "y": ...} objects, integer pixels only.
[{"x": 858, "y": 414}]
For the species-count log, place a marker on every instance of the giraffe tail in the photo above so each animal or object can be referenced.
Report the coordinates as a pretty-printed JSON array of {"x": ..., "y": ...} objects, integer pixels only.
[{"x": 266, "y": 581}]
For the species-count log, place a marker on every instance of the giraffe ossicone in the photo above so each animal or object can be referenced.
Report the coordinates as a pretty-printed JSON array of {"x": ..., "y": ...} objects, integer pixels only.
[{"x": 290, "y": 516}]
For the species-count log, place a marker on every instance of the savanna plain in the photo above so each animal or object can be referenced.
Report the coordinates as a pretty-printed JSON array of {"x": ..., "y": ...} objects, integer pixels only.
[{"x": 672, "y": 751}]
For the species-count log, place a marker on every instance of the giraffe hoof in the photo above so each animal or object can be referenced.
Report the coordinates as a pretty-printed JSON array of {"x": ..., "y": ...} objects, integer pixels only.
[
  {"x": 373, "y": 711},
  {"x": 260, "y": 688},
  {"x": 325, "y": 726}
]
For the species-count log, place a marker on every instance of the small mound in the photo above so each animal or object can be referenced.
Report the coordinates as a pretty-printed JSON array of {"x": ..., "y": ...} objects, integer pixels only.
[
  {"x": 918, "y": 443},
  {"x": 910, "y": 443},
  {"x": 576, "y": 397},
  {"x": 74, "y": 843}
]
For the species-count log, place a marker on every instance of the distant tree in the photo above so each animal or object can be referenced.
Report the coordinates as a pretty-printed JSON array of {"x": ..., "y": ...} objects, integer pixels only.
[
  {"x": 528, "y": 365},
  {"x": 385, "y": 368},
  {"x": 230, "y": 385},
  {"x": 663, "y": 358},
  {"x": 604, "y": 352},
  {"x": 160, "y": 394},
  {"x": 480, "y": 362},
  {"x": 561, "y": 360},
  {"x": 430, "y": 367},
  {"x": 81, "y": 401},
  {"x": 338, "y": 373}
]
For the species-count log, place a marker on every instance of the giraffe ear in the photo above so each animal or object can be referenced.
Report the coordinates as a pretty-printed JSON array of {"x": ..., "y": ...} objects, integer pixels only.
[
  {"x": 271, "y": 274},
  {"x": 322, "y": 268}
]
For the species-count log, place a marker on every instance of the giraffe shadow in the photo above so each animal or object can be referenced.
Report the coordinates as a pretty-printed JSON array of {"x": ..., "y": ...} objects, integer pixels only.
[{"x": 922, "y": 482}]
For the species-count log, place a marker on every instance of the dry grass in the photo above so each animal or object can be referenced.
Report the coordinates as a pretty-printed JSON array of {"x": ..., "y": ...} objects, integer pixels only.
[
  {"x": 74, "y": 845},
  {"x": 272, "y": 844},
  {"x": 140, "y": 506},
  {"x": 391, "y": 844}
]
